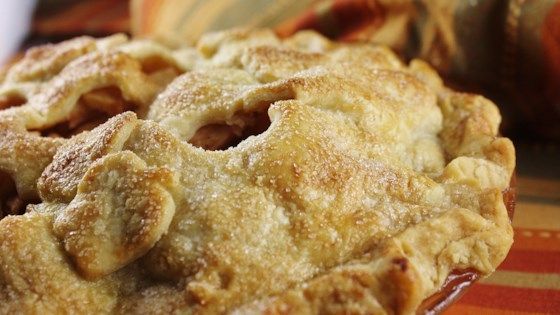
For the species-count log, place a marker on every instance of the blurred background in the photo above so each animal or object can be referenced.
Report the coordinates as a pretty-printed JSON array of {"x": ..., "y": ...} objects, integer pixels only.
[{"x": 506, "y": 50}]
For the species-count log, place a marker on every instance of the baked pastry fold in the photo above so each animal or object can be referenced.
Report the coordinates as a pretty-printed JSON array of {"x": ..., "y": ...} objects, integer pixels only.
[{"x": 248, "y": 174}]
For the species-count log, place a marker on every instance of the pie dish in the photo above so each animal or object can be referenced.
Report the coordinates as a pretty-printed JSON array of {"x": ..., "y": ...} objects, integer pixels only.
[{"x": 248, "y": 174}]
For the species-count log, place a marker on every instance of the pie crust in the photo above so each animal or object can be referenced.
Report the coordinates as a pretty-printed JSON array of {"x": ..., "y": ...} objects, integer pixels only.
[{"x": 249, "y": 174}]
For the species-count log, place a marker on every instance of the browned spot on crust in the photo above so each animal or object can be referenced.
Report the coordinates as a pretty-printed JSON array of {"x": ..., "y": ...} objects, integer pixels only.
[{"x": 402, "y": 263}]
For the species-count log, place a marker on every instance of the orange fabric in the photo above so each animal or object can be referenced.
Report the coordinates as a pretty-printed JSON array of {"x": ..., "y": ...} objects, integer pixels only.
[
  {"x": 492, "y": 297},
  {"x": 532, "y": 261},
  {"x": 464, "y": 309},
  {"x": 529, "y": 239},
  {"x": 84, "y": 17}
]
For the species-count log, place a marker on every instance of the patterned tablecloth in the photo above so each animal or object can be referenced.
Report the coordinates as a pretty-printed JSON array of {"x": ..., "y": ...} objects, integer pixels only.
[{"x": 527, "y": 282}]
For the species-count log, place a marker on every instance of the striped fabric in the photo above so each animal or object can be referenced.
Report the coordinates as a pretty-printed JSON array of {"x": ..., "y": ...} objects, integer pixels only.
[
  {"x": 63, "y": 18},
  {"x": 186, "y": 20},
  {"x": 528, "y": 281}
]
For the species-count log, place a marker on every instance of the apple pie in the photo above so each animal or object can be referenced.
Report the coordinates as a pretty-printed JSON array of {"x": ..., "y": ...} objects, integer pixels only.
[{"x": 248, "y": 174}]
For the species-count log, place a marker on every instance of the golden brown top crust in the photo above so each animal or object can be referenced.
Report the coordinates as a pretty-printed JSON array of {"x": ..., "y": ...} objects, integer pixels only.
[
  {"x": 258, "y": 175},
  {"x": 60, "y": 179},
  {"x": 120, "y": 210},
  {"x": 43, "y": 62}
]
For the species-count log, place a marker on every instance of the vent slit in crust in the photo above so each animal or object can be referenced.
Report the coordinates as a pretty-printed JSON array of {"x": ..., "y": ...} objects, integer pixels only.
[
  {"x": 224, "y": 135},
  {"x": 160, "y": 70},
  {"x": 253, "y": 120},
  {"x": 11, "y": 203},
  {"x": 92, "y": 109},
  {"x": 154, "y": 64},
  {"x": 11, "y": 100}
]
